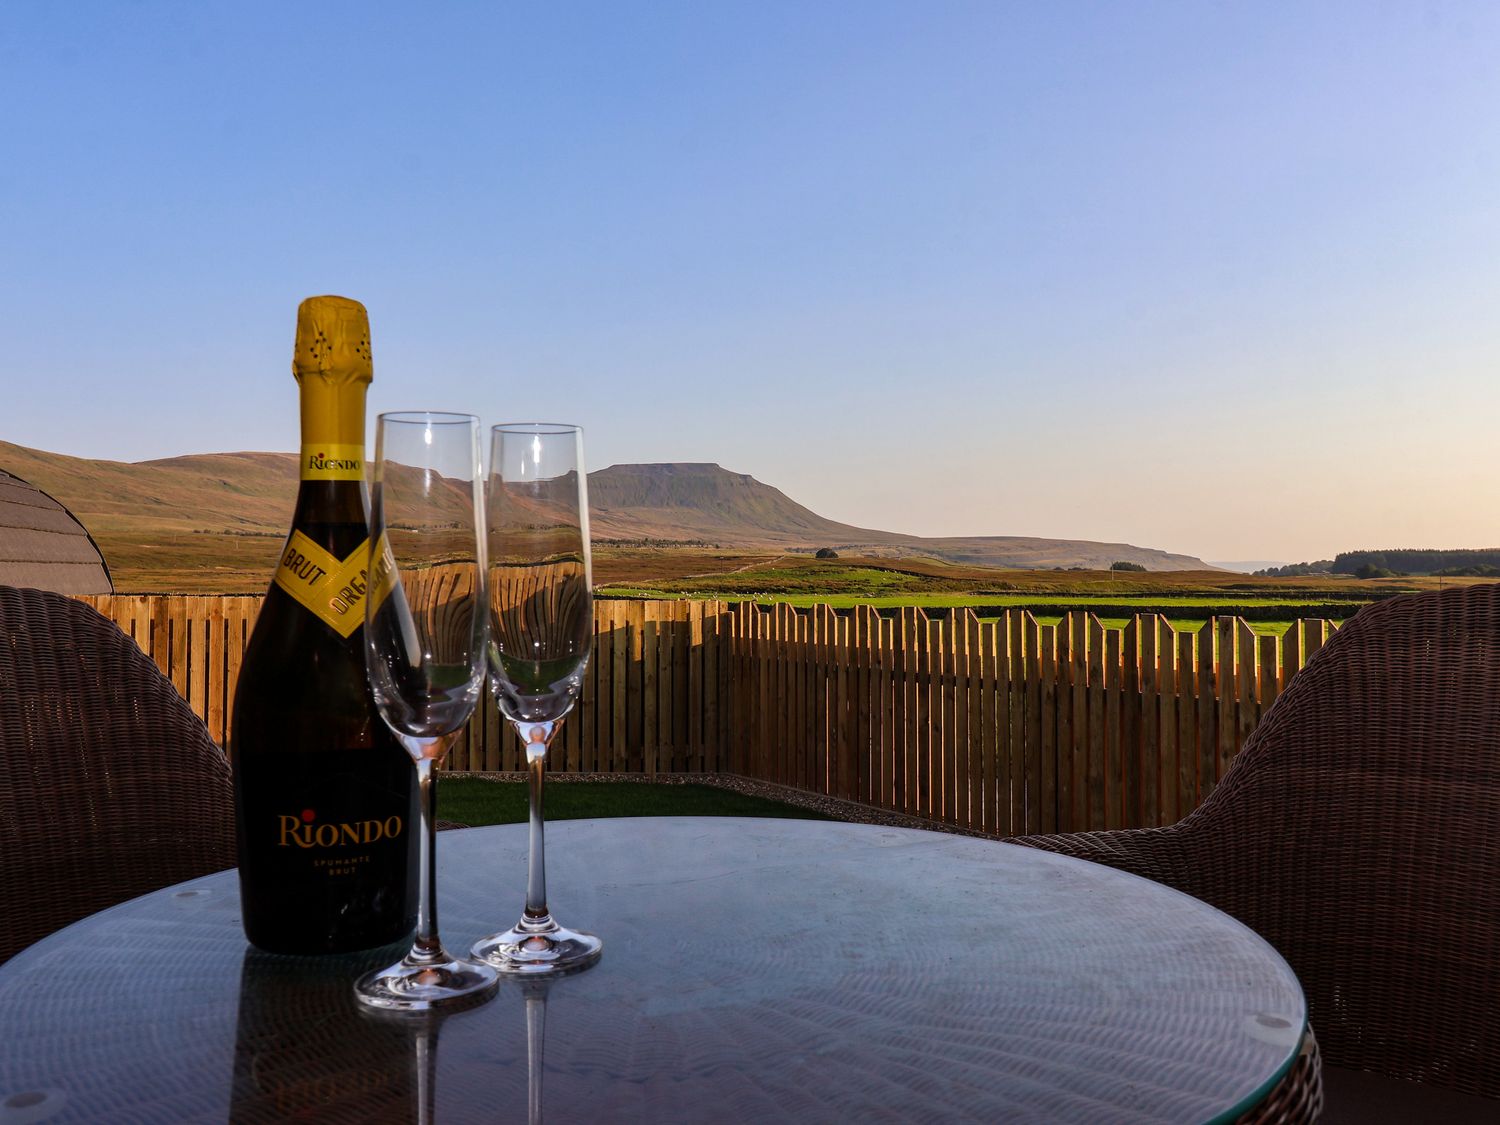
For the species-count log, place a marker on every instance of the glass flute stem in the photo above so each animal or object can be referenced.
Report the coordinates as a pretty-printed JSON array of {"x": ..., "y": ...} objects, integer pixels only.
[
  {"x": 536, "y": 865},
  {"x": 538, "y": 737},
  {"x": 427, "y": 946},
  {"x": 428, "y": 976},
  {"x": 537, "y": 944}
]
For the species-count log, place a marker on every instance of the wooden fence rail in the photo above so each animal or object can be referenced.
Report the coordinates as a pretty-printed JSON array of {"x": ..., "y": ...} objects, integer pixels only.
[{"x": 1000, "y": 724}]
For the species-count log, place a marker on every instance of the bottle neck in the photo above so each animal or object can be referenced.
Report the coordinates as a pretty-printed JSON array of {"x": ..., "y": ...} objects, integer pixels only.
[{"x": 332, "y": 457}]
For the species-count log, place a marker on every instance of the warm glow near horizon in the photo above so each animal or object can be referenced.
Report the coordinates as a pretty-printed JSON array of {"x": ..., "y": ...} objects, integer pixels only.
[{"x": 1218, "y": 279}]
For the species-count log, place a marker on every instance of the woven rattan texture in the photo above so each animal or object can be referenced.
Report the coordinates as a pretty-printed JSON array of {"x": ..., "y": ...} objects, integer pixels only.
[
  {"x": 1359, "y": 832},
  {"x": 109, "y": 785},
  {"x": 1298, "y": 1097}
]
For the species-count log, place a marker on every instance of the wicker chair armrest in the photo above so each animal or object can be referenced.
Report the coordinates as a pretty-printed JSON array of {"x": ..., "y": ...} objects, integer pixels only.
[{"x": 1159, "y": 854}]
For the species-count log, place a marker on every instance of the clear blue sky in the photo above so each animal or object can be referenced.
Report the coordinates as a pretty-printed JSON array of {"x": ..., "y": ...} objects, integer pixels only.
[{"x": 1222, "y": 278}]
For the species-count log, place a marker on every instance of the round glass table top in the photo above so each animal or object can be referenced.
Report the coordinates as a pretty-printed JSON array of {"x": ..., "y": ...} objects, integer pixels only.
[{"x": 753, "y": 970}]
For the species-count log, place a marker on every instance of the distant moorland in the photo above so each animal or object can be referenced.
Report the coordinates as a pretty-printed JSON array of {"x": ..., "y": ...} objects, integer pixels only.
[{"x": 214, "y": 523}]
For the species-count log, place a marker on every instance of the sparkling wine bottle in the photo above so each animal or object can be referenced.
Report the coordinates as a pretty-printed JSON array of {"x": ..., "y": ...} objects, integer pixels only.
[{"x": 324, "y": 799}]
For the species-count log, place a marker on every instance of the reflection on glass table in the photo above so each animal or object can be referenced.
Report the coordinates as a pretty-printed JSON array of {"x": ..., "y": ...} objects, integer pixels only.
[{"x": 760, "y": 970}]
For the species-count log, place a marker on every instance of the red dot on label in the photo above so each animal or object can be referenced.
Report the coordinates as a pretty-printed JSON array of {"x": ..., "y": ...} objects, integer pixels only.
[{"x": 307, "y": 816}]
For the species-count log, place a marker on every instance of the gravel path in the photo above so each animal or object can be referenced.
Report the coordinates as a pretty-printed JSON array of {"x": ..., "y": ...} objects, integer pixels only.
[{"x": 833, "y": 807}]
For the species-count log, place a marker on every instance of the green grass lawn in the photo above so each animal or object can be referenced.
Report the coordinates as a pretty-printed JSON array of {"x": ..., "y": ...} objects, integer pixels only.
[{"x": 475, "y": 801}]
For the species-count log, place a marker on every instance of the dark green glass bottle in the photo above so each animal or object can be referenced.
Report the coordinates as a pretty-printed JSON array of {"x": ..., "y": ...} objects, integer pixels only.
[{"x": 324, "y": 796}]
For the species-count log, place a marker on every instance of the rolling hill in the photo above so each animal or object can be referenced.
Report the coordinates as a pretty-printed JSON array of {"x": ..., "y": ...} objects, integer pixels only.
[
  {"x": 706, "y": 502},
  {"x": 180, "y": 513}
]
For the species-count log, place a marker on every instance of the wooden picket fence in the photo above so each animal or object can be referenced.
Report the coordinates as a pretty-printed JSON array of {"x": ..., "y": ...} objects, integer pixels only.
[
  {"x": 650, "y": 704},
  {"x": 999, "y": 724},
  {"x": 1002, "y": 724}
]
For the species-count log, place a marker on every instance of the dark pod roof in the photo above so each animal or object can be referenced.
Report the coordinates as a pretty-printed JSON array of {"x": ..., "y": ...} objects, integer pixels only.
[{"x": 43, "y": 545}]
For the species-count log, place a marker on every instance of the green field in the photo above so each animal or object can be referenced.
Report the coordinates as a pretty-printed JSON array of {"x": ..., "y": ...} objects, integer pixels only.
[
  {"x": 1185, "y": 599},
  {"x": 950, "y": 601},
  {"x": 1182, "y": 613},
  {"x": 935, "y": 584}
]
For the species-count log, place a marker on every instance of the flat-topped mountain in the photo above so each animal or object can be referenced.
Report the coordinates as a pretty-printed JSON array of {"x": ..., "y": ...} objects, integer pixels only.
[
  {"x": 251, "y": 494},
  {"x": 706, "y": 502},
  {"x": 703, "y": 501}
]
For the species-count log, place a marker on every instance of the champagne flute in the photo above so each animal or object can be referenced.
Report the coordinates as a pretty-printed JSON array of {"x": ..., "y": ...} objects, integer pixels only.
[
  {"x": 541, "y": 631},
  {"x": 425, "y": 630}
]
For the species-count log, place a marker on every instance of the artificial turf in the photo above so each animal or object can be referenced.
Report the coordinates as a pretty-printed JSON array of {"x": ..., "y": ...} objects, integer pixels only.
[{"x": 476, "y": 800}]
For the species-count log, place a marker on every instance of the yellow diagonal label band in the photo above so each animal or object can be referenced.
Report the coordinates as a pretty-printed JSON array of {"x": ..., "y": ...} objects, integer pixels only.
[
  {"x": 332, "y": 589},
  {"x": 384, "y": 580}
]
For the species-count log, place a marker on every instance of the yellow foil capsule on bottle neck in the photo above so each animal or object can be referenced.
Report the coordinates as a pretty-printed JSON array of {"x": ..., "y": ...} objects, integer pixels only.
[
  {"x": 331, "y": 362},
  {"x": 333, "y": 341}
]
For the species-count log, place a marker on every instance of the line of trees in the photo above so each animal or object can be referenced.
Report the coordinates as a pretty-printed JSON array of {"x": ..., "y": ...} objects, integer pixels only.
[
  {"x": 1297, "y": 570},
  {"x": 1419, "y": 561},
  {"x": 1483, "y": 563}
]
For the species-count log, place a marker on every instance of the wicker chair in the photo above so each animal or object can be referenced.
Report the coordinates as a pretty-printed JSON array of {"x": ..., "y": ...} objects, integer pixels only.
[
  {"x": 109, "y": 785},
  {"x": 1359, "y": 832}
]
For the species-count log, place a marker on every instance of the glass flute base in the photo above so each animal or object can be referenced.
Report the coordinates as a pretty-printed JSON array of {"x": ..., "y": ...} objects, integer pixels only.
[
  {"x": 535, "y": 947},
  {"x": 425, "y": 985}
]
